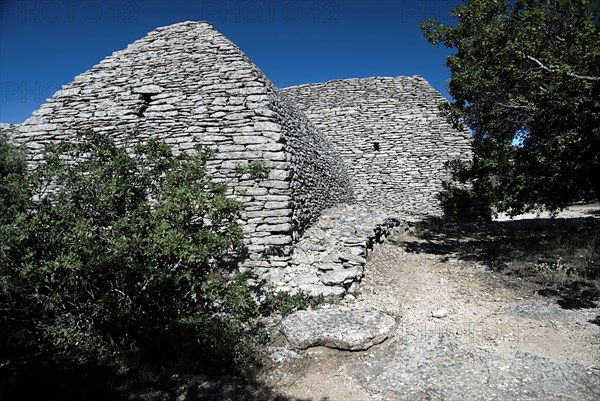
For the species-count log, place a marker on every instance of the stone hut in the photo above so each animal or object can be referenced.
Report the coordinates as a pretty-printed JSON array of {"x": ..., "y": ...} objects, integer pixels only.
[
  {"x": 391, "y": 136},
  {"x": 188, "y": 84},
  {"x": 377, "y": 142}
]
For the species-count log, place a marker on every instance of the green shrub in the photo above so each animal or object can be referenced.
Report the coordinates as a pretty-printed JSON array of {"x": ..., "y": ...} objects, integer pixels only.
[
  {"x": 115, "y": 255},
  {"x": 13, "y": 189},
  {"x": 285, "y": 303},
  {"x": 256, "y": 170},
  {"x": 461, "y": 203},
  {"x": 431, "y": 225}
]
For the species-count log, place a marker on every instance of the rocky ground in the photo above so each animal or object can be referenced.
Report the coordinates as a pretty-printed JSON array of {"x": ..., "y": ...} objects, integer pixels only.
[{"x": 464, "y": 331}]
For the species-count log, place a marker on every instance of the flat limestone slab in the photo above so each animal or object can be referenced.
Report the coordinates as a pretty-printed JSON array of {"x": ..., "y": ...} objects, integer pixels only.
[
  {"x": 352, "y": 329},
  {"x": 437, "y": 366}
]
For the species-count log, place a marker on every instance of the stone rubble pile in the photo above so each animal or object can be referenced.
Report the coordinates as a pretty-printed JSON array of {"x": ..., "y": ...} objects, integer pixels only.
[{"x": 330, "y": 258}]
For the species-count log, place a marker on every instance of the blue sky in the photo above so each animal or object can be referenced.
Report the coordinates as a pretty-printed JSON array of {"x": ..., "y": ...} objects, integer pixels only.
[{"x": 45, "y": 44}]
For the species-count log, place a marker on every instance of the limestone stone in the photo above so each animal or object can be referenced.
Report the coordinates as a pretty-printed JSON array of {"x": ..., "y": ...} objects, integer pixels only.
[
  {"x": 339, "y": 276},
  {"x": 303, "y": 280},
  {"x": 338, "y": 327},
  {"x": 148, "y": 90},
  {"x": 282, "y": 354},
  {"x": 436, "y": 366},
  {"x": 329, "y": 266},
  {"x": 350, "y": 257},
  {"x": 439, "y": 313},
  {"x": 326, "y": 291}
]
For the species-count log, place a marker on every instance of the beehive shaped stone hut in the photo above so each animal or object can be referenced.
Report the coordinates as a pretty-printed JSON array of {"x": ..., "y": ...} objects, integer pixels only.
[
  {"x": 188, "y": 84},
  {"x": 391, "y": 136}
]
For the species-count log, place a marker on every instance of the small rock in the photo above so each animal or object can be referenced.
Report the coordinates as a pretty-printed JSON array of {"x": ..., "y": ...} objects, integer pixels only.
[
  {"x": 356, "y": 250},
  {"x": 148, "y": 90},
  {"x": 305, "y": 279},
  {"x": 329, "y": 266},
  {"x": 349, "y": 299},
  {"x": 282, "y": 354},
  {"x": 439, "y": 313},
  {"x": 314, "y": 290},
  {"x": 352, "y": 258},
  {"x": 354, "y": 287},
  {"x": 338, "y": 276}
]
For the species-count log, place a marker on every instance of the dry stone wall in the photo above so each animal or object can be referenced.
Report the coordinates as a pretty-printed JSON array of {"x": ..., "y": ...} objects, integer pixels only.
[
  {"x": 391, "y": 136},
  {"x": 316, "y": 167},
  {"x": 188, "y": 84},
  {"x": 330, "y": 258}
]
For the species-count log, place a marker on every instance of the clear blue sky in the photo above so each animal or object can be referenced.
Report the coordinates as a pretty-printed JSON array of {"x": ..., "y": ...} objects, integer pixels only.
[{"x": 45, "y": 44}]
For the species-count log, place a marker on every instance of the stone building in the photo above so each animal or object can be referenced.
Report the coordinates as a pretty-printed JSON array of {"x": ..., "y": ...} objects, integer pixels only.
[
  {"x": 391, "y": 136},
  {"x": 188, "y": 84},
  {"x": 376, "y": 141}
]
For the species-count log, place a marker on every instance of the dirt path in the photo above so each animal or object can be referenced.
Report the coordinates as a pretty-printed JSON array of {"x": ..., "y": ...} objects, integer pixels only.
[
  {"x": 411, "y": 279},
  {"x": 480, "y": 312}
]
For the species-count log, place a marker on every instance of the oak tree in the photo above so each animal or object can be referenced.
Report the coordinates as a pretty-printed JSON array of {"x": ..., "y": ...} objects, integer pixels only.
[{"x": 525, "y": 80}]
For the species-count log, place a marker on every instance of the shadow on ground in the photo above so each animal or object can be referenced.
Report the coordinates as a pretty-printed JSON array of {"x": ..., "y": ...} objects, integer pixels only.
[
  {"x": 558, "y": 256},
  {"x": 51, "y": 382}
]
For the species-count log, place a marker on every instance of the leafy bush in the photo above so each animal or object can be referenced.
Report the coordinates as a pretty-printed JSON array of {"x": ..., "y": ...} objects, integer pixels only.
[
  {"x": 256, "y": 170},
  {"x": 13, "y": 190},
  {"x": 462, "y": 203},
  {"x": 114, "y": 255},
  {"x": 285, "y": 303},
  {"x": 555, "y": 272}
]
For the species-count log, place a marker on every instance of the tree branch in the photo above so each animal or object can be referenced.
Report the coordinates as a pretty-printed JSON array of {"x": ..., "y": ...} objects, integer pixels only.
[
  {"x": 510, "y": 106},
  {"x": 542, "y": 66}
]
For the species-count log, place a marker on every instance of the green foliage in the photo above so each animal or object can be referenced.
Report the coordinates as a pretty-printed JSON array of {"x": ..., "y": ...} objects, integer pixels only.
[
  {"x": 286, "y": 303},
  {"x": 432, "y": 225},
  {"x": 116, "y": 255},
  {"x": 13, "y": 190},
  {"x": 525, "y": 79},
  {"x": 117, "y": 268},
  {"x": 256, "y": 170},
  {"x": 456, "y": 201}
]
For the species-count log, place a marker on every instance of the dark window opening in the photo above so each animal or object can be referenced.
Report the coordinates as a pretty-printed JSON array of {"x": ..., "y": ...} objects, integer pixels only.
[
  {"x": 146, "y": 98},
  {"x": 376, "y": 146}
]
